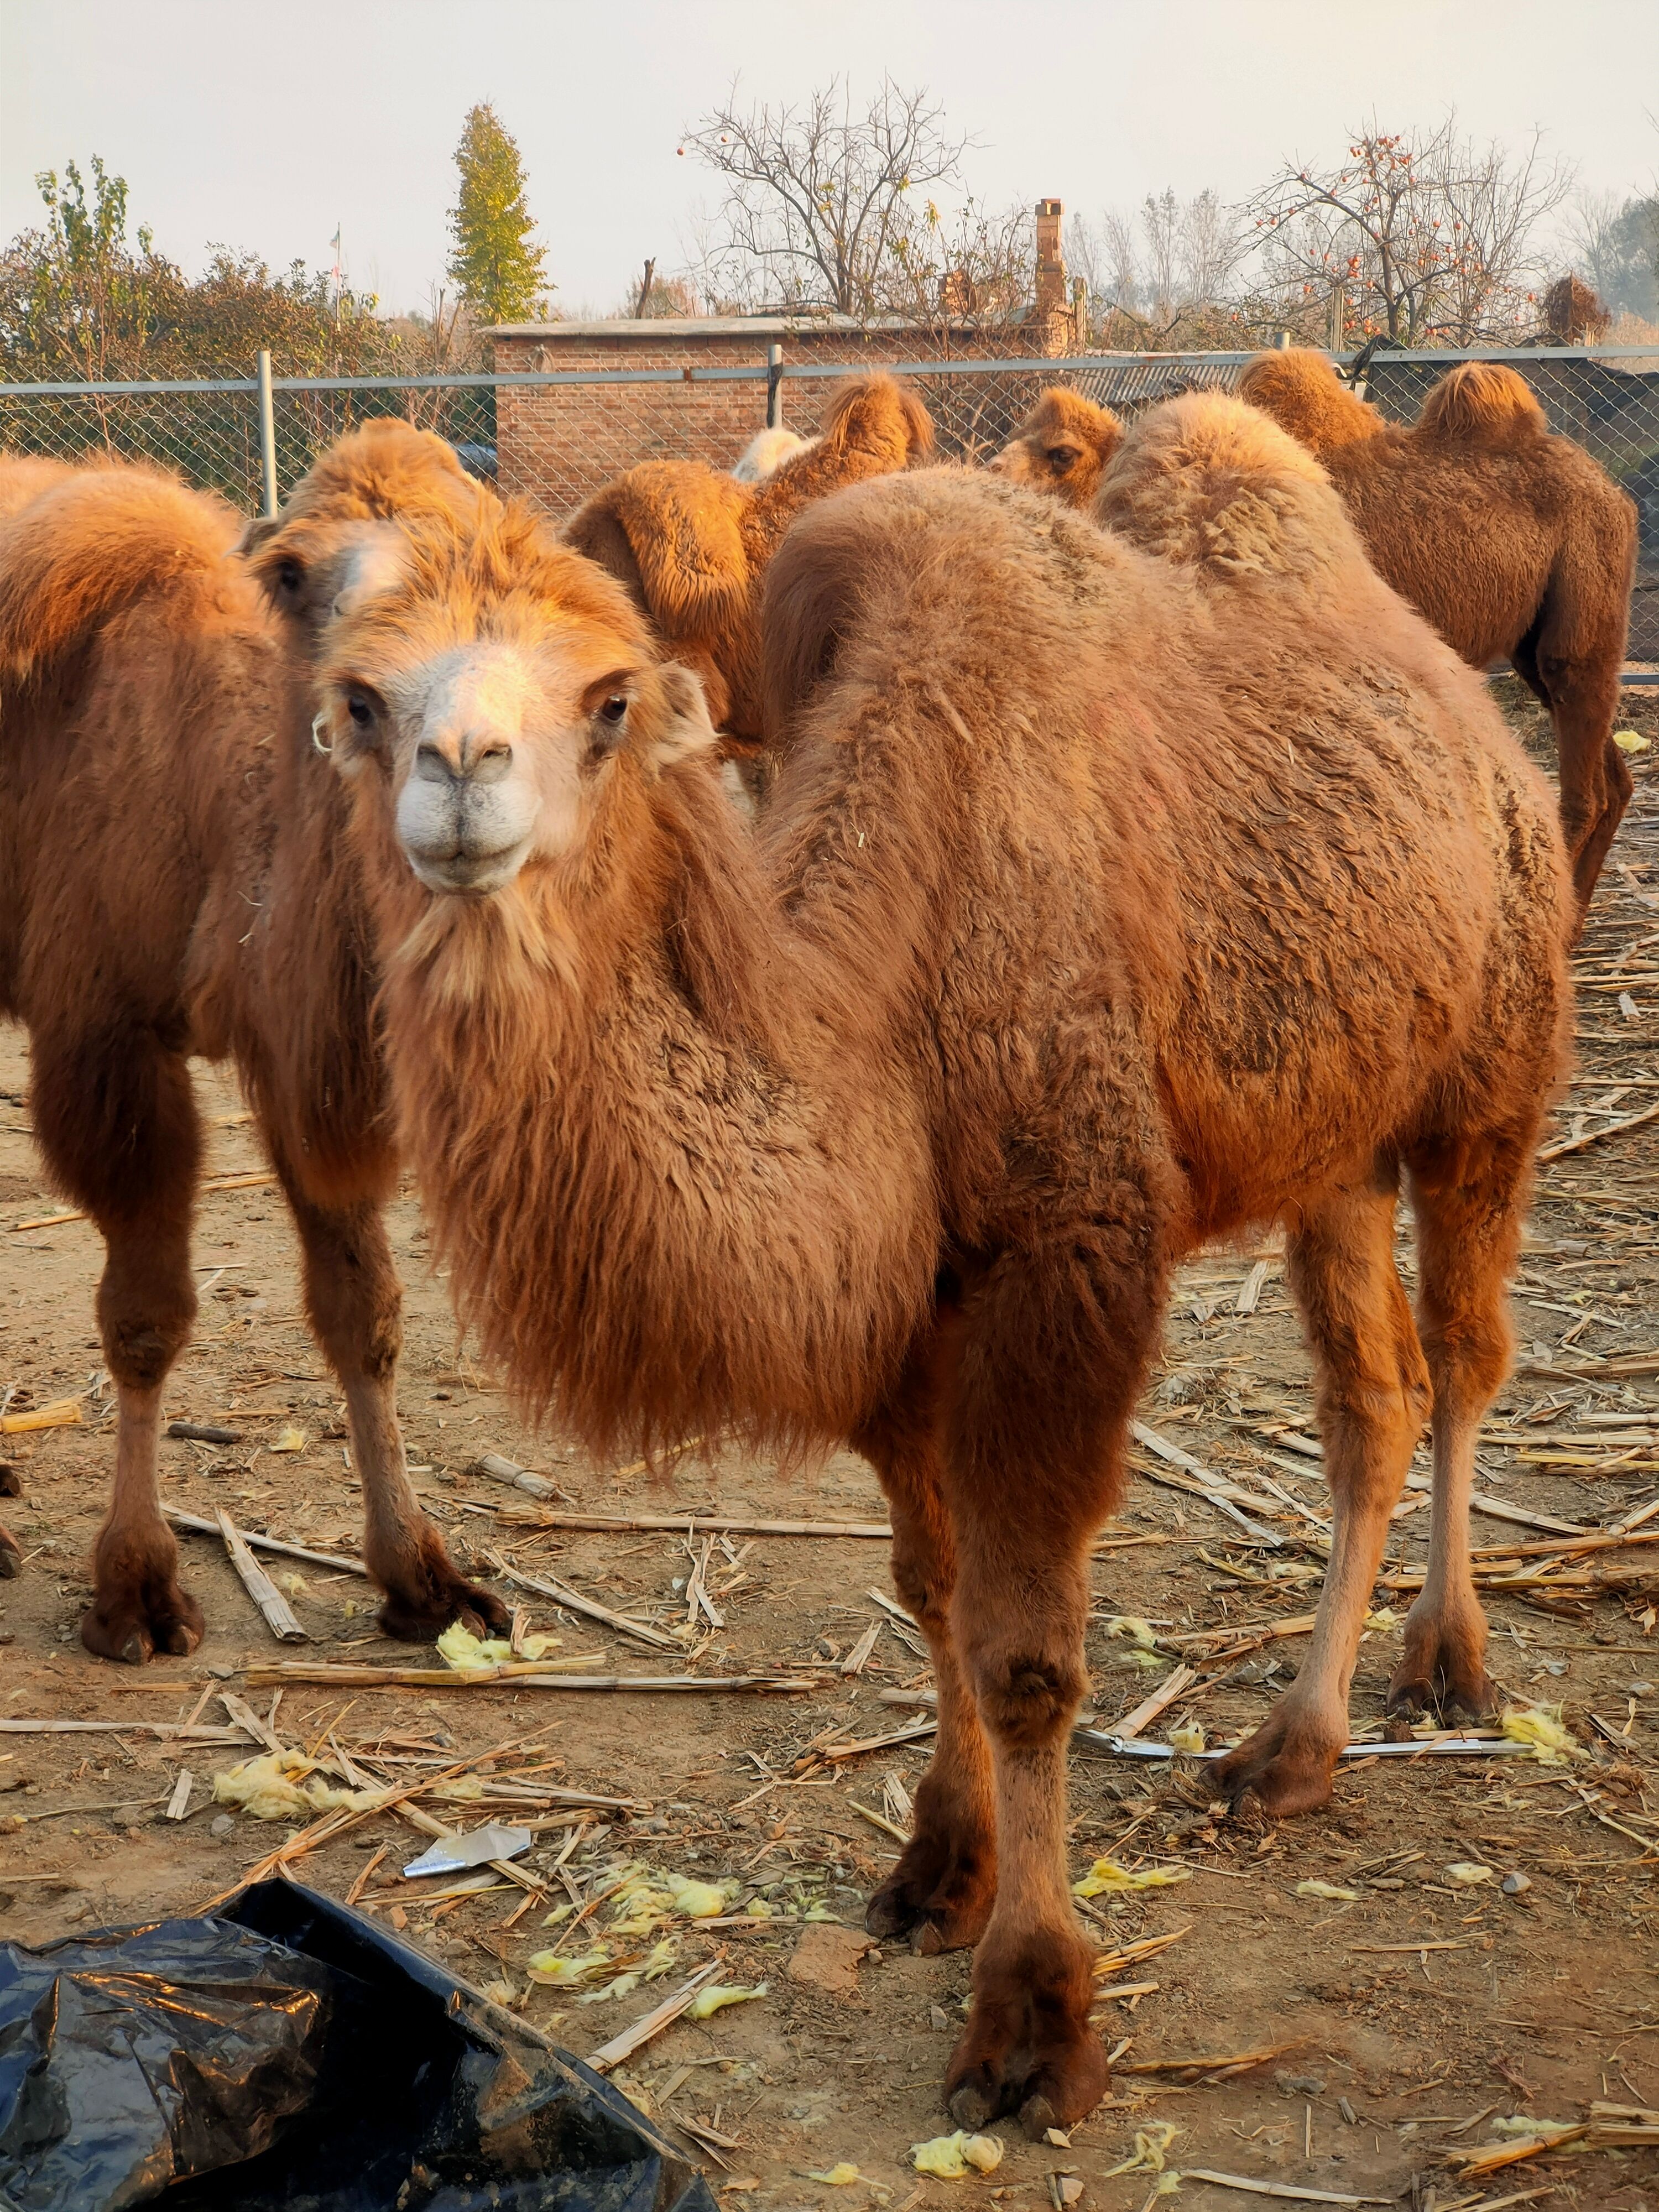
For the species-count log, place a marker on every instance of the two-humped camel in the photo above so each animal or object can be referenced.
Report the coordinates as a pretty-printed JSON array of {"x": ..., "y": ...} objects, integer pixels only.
[
  {"x": 1509, "y": 541},
  {"x": 1115, "y": 895},
  {"x": 691, "y": 546},
  {"x": 173, "y": 881}
]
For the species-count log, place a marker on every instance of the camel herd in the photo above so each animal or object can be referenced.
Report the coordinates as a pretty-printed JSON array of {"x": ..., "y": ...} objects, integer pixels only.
[{"x": 1133, "y": 865}]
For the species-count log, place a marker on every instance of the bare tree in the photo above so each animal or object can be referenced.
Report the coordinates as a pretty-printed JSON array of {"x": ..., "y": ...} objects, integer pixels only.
[
  {"x": 1612, "y": 242},
  {"x": 825, "y": 206},
  {"x": 1426, "y": 236},
  {"x": 1166, "y": 272}
]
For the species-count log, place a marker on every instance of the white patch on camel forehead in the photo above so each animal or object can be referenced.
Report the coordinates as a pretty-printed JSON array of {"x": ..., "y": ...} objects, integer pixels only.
[{"x": 480, "y": 685}]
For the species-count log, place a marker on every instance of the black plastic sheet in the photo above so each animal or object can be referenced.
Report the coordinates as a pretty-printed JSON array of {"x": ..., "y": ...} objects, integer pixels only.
[{"x": 287, "y": 2055}]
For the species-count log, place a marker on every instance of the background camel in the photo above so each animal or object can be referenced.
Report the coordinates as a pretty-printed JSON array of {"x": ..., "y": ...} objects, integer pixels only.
[
  {"x": 171, "y": 882},
  {"x": 766, "y": 453},
  {"x": 691, "y": 546},
  {"x": 1062, "y": 446},
  {"x": 1508, "y": 540},
  {"x": 1109, "y": 900}
]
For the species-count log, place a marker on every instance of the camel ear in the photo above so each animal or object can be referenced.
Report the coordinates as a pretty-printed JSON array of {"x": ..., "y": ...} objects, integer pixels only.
[{"x": 680, "y": 726}]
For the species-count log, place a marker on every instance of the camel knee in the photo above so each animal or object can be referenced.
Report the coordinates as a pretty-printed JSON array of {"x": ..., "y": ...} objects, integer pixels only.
[
  {"x": 1026, "y": 1697},
  {"x": 352, "y": 1297},
  {"x": 146, "y": 1308}
]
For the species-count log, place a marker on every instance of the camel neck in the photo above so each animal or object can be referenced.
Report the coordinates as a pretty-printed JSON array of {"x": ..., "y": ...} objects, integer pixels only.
[{"x": 642, "y": 1111}]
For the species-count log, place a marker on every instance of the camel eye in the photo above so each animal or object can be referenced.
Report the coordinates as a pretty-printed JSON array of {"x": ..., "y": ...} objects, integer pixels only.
[
  {"x": 360, "y": 710},
  {"x": 290, "y": 577},
  {"x": 614, "y": 708},
  {"x": 1061, "y": 458}
]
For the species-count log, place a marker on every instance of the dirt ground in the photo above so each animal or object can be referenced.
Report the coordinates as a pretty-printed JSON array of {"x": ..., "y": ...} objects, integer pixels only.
[{"x": 1404, "y": 2012}]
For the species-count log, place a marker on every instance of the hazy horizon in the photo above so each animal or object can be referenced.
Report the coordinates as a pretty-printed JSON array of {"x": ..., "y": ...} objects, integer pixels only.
[{"x": 261, "y": 134}]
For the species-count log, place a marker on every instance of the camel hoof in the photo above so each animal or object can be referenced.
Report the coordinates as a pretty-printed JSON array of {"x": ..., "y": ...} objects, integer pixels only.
[
  {"x": 1282, "y": 1770},
  {"x": 130, "y": 1630},
  {"x": 1028, "y": 2047},
  {"x": 11, "y": 1559},
  {"x": 423, "y": 1617},
  {"x": 1063, "y": 2086},
  {"x": 425, "y": 1592},
  {"x": 941, "y": 1894},
  {"x": 1443, "y": 1671},
  {"x": 972, "y": 2105}
]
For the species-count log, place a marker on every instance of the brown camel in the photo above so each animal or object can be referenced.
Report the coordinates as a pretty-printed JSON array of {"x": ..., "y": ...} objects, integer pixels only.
[
  {"x": 1507, "y": 540},
  {"x": 1062, "y": 446},
  {"x": 691, "y": 546},
  {"x": 172, "y": 882},
  {"x": 889, "y": 1123}
]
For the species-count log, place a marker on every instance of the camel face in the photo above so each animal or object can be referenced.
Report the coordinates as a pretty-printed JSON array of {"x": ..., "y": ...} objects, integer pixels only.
[
  {"x": 499, "y": 716},
  {"x": 468, "y": 799},
  {"x": 1061, "y": 447}
]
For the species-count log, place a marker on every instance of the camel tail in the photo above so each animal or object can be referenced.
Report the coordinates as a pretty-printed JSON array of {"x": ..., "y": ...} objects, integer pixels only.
[
  {"x": 96, "y": 542},
  {"x": 1304, "y": 395},
  {"x": 1482, "y": 403},
  {"x": 878, "y": 415}
]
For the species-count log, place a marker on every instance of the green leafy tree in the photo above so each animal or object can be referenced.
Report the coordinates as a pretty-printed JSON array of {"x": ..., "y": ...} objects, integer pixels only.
[
  {"x": 499, "y": 272},
  {"x": 80, "y": 300}
]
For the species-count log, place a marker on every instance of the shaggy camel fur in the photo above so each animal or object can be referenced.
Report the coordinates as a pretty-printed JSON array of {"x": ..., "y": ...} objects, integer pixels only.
[
  {"x": 766, "y": 453},
  {"x": 889, "y": 1123},
  {"x": 172, "y": 882},
  {"x": 1062, "y": 446},
  {"x": 691, "y": 546},
  {"x": 1507, "y": 540}
]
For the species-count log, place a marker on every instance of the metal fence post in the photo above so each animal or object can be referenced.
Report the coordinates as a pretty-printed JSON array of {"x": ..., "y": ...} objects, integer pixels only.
[
  {"x": 773, "y": 387},
  {"x": 267, "y": 434}
]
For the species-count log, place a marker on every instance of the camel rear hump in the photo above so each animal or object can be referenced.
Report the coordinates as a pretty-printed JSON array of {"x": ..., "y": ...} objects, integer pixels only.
[
  {"x": 1482, "y": 403},
  {"x": 99, "y": 540}
]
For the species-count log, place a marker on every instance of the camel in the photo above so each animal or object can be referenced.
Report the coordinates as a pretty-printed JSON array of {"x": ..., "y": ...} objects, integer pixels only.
[
  {"x": 1507, "y": 540},
  {"x": 172, "y": 882},
  {"x": 691, "y": 546},
  {"x": 1062, "y": 446},
  {"x": 766, "y": 453},
  {"x": 888, "y": 1123}
]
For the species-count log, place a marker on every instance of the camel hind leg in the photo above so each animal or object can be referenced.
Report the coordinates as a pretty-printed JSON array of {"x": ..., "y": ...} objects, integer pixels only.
[
  {"x": 354, "y": 1305},
  {"x": 1577, "y": 674},
  {"x": 117, "y": 1124},
  {"x": 1468, "y": 1235},
  {"x": 1373, "y": 1398},
  {"x": 943, "y": 1888}
]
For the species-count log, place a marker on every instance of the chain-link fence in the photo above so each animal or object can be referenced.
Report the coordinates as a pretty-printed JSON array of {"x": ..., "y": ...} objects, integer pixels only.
[{"x": 555, "y": 437}]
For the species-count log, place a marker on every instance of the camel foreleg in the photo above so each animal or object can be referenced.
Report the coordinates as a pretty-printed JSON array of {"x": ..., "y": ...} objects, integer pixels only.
[
  {"x": 943, "y": 1888},
  {"x": 355, "y": 1302},
  {"x": 1053, "y": 1352}
]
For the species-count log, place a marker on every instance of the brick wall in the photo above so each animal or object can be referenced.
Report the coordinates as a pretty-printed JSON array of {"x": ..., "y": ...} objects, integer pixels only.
[{"x": 557, "y": 444}]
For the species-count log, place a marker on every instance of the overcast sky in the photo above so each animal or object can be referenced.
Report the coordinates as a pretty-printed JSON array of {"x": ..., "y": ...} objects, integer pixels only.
[{"x": 263, "y": 127}]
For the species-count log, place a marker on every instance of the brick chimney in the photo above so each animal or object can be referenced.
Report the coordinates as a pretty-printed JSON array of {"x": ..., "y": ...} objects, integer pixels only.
[{"x": 1051, "y": 298}]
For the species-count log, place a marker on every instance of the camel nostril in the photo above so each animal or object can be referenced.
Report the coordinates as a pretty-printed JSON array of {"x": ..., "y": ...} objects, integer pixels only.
[
  {"x": 491, "y": 763},
  {"x": 430, "y": 766}
]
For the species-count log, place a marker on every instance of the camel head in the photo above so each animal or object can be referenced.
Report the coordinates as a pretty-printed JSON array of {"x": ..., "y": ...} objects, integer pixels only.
[
  {"x": 1061, "y": 447},
  {"x": 338, "y": 524},
  {"x": 502, "y": 691}
]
